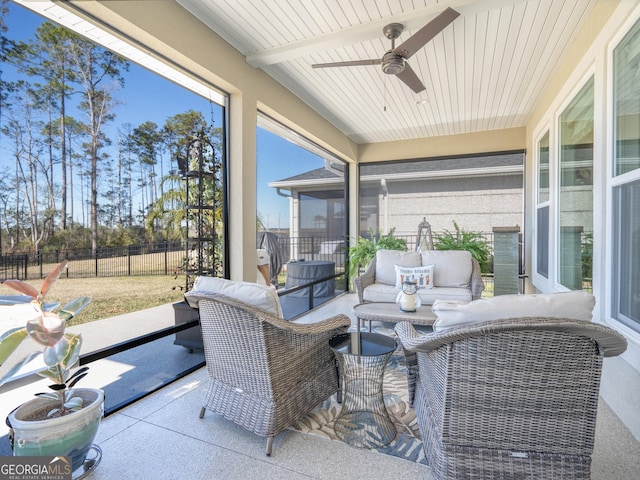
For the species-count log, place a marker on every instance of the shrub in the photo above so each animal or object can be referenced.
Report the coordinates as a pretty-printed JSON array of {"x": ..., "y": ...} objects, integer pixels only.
[
  {"x": 473, "y": 242},
  {"x": 361, "y": 254}
]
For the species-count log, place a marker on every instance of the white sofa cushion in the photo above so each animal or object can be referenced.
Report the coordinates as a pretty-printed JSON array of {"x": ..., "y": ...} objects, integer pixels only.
[
  {"x": 386, "y": 260},
  {"x": 452, "y": 267},
  {"x": 576, "y": 305},
  {"x": 423, "y": 276},
  {"x": 455, "y": 294},
  {"x": 260, "y": 296},
  {"x": 379, "y": 292}
]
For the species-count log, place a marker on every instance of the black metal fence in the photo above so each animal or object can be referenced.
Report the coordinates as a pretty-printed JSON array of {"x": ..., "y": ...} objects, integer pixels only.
[
  {"x": 14, "y": 266},
  {"x": 165, "y": 258}
]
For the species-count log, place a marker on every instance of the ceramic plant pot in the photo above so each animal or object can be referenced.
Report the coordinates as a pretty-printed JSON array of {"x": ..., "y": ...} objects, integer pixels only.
[{"x": 69, "y": 435}]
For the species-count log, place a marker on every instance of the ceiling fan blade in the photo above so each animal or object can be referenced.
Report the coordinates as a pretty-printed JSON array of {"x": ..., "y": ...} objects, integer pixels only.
[
  {"x": 352, "y": 63},
  {"x": 426, "y": 33},
  {"x": 409, "y": 77}
]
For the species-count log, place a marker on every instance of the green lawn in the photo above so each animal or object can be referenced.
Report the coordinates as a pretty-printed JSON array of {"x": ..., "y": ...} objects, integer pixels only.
[{"x": 113, "y": 295}]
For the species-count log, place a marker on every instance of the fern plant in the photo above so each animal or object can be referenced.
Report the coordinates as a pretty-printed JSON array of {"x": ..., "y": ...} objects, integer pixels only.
[
  {"x": 361, "y": 254},
  {"x": 462, "y": 239}
]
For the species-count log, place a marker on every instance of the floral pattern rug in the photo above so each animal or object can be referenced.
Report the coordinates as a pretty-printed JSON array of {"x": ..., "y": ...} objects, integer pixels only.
[{"x": 407, "y": 443}]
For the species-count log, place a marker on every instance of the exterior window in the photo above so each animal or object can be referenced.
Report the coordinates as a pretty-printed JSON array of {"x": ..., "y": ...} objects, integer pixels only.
[
  {"x": 542, "y": 220},
  {"x": 542, "y": 238},
  {"x": 543, "y": 169},
  {"x": 626, "y": 181},
  {"x": 626, "y": 65},
  {"x": 626, "y": 254},
  {"x": 576, "y": 191}
]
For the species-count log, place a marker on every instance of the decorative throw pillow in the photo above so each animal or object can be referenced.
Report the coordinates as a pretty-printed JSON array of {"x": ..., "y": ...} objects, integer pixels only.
[
  {"x": 423, "y": 276},
  {"x": 386, "y": 259}
]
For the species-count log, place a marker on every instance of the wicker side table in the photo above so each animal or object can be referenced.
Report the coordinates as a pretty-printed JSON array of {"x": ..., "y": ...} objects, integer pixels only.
[{"x": 363, "y": 420}]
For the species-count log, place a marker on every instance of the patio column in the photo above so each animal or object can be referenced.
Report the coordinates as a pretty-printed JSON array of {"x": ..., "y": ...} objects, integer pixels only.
[{"x": 243, "y": 120}]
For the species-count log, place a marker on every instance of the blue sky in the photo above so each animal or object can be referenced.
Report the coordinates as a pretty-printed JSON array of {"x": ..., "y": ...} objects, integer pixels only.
[
  {"x": 279, "y": 159},
  {"x": 147, "y": 96}
]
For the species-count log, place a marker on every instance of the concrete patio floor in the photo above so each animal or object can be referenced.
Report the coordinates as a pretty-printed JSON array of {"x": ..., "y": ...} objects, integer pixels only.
[{"x": 161, "y": 436}]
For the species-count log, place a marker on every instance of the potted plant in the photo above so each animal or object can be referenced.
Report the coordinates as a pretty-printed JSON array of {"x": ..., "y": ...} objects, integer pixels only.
[
  {"x": 65, "y": 420},
  {"x": 462, "y": 239},
  {"x": 361, "y": 254}
]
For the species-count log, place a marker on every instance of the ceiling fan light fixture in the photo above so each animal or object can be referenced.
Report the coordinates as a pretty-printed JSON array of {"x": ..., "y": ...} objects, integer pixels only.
[{"x": 392, "y": 63}]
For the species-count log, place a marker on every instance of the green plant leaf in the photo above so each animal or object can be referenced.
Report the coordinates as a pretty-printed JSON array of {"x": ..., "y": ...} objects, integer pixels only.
[
  {"x": 78, "y": 372},
  {"x": 73, "y": 350},
  {"x": 10, "y": 341},
  {"x": 361, "y": 254},
  {"x": 74, "y": 307},
  {"x": 57, "y": 353},
  {"x": 73, "y": 404},
  {"x": 50, "y": 306},
  {"x": 77, "y": 379},
  {"x": 462, "y": 239},
  {"x": 17, "y": 367},
  {"x": 51, "y": 373}
]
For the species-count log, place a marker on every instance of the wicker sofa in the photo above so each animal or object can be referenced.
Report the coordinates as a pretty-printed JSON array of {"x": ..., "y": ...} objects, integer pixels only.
[
  {"x": 444, "y": 274},
  {"x": 264, "y": 372},
  {"x": 514, "y": 397}
]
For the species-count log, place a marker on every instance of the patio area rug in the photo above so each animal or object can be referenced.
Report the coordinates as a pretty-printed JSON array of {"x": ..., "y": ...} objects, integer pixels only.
[{"x": 407, "y": 443}]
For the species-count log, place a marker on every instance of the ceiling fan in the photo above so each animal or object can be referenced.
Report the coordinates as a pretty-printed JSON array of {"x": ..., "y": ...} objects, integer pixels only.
[{"x": 394, "y": 61}]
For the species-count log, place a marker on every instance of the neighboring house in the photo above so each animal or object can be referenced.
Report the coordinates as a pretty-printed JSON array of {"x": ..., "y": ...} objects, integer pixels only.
[
  {"x": 478, "y": 193},
  {"x": 317, "y": 210},
  {"x": 317, "y": 204}
]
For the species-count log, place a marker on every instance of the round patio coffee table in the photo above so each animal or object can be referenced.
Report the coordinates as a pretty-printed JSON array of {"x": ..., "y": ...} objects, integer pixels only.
[
  {"x": 389, "y": 312},
  {"x": 363, "y": 420}
]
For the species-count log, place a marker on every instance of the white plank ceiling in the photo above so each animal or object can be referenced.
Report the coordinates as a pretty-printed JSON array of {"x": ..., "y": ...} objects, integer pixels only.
[{"x": 482, "y": 72}]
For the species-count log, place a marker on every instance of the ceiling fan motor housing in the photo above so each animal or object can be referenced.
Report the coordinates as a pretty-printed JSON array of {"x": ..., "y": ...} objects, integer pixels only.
[{"x": 392, "y": 63}]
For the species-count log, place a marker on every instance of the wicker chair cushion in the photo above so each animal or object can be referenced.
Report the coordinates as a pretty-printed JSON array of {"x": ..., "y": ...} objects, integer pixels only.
[
  {"x": 576, "y": 305},
  {"x": 452, "y": 267},
  {"x": 386, "y": 260},
  {"x": 260, "y": 296}
]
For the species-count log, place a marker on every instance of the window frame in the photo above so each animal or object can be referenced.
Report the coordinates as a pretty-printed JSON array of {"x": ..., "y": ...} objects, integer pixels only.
[
  {"x": 543, "y": 282},
  {"x": 613, "y": 182},
  {"x": 589, "y": 76}
]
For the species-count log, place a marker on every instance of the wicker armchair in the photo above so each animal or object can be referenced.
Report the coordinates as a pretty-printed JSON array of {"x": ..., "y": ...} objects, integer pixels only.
[
  {"x": 508, "y": 398},
  {"x": 265, "y": 372}
]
